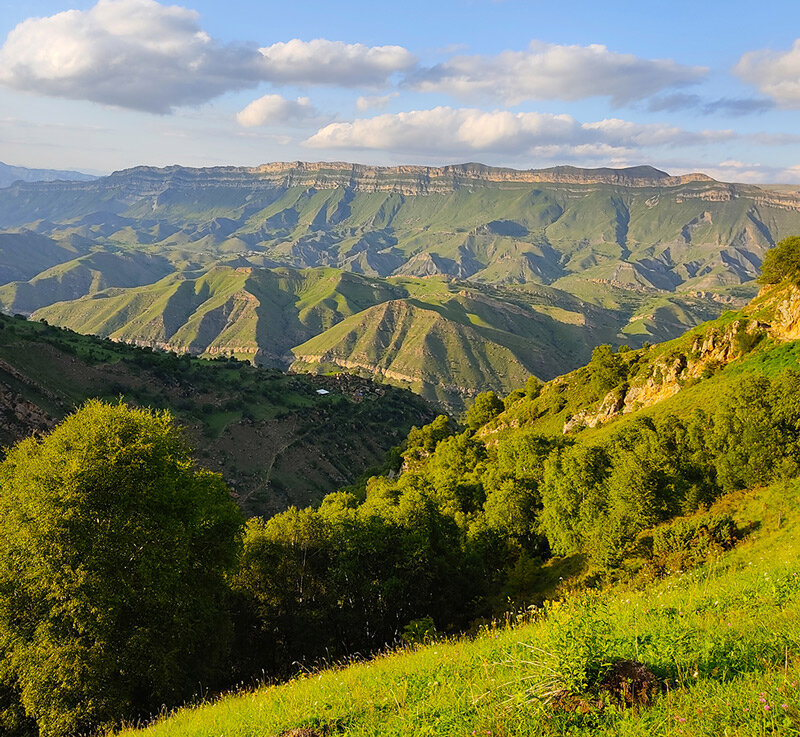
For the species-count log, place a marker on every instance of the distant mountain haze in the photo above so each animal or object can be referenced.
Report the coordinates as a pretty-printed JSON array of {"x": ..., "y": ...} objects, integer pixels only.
[{"x": 10, "y": 174}]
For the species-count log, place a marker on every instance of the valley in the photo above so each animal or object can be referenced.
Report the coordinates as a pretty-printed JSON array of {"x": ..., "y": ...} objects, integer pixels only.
[
  {"x": 630, "y": 434},
  {"x": 319, "y": 267},
  {"x": 275, "y": 440}
]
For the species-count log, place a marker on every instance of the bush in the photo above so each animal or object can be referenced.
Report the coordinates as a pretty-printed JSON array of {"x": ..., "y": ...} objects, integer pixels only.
[
  {"x": 689, "y": 542},
  {"x": 574, "y": 651}
]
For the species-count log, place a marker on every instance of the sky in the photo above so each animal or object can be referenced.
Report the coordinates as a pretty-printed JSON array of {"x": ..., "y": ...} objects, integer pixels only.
[{"x": 684, "y": 86}]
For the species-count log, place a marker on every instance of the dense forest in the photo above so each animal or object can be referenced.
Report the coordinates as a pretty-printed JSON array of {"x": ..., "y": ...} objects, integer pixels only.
[{"x": 128, "y": 577}]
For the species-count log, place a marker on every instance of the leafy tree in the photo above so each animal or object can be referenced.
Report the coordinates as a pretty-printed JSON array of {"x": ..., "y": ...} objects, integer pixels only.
[
  {"x": 113, "y": 555},
  {"x": 750, "y": 441},
  {"x": 422, "y": 441},
  {"x": 782, "y": 261},
  {"x": 572, "y": 496},
  {"x": 607, "y": 369},
  {"x": 486, "y": 407},
  {"x": 533, "y": 387}
]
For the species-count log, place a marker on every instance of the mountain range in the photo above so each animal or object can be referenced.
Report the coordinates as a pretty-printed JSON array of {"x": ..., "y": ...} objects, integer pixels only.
[
  {"x": 10, "y": 174},
  {"x": 446, "y": 280}
]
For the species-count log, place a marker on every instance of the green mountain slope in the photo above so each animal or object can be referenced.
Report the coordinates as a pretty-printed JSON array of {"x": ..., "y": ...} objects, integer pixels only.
[
  {"x": 85, "y": 275},
  {"x": 447, "y": 340},
  {"x": 630, "y": 255},
  {"x": 25, "y": 254},
  {"x": 468, "y": 222},
  {"x": 650, "y": 554},
  {"x": 238, "y": 311},
  {"x": 722, "y": 641}
]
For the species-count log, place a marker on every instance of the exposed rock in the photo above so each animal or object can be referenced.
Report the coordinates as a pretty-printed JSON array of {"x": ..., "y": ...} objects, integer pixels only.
[
  {"x": 709, "y": 352},
  {"x": 786, "y": 322}
]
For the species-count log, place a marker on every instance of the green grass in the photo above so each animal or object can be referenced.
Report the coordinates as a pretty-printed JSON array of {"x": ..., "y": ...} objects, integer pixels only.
[{"x": 723, "y": 639}]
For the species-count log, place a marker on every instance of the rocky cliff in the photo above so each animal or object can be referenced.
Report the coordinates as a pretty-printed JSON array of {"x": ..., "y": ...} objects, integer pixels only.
[
  {"x": 773, "y": 315},
  {"x": 406, "y": 180}
]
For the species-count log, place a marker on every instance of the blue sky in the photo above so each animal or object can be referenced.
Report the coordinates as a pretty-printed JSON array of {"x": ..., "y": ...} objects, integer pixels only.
[{"x": 684, "y": 86}]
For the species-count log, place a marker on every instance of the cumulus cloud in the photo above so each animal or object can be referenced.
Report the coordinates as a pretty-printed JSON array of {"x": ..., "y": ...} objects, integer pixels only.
[
  {"x": 143, "y": 55},
  {"x": 455, "y": 131},
  {"x": 547, "y": 71},
  {"x": 776, "y": 74},
  {"x": 276, "y": 110},
  {"x": 131, "y": 53},
  {"x": 334, "y": 63}
]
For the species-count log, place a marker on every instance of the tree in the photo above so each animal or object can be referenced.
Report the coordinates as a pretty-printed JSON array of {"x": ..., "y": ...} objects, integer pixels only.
[
  {"x": 607, "y": 369},
  {"x": 487, "y": 406},
  {"x": 781, "y": 261},
  {"x": 113, "y": 556}
]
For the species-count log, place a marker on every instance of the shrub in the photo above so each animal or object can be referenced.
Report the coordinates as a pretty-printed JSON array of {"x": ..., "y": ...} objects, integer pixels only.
[
  {"x": 689, "y": 542},
  {"x": 574, "y": 651}
]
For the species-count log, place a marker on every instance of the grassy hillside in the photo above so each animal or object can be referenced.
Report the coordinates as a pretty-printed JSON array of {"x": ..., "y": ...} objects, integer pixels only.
[
  {"x": 722, "y": 640},
  {"x": 272, "y": 437},
  {"x": 677, "y": 376},
  {"x": 621, "y": 532},
  {"x": 464, "y": 337},
  {"x": 85, "y": 275}
]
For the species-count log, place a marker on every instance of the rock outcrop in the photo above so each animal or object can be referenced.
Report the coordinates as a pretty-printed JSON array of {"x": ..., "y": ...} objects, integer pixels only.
[
  {"x": 148, "y": 181},
  {"x": 775, "y": 313}
]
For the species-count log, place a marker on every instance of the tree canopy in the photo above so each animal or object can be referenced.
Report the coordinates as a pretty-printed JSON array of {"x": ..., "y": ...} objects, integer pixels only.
[
  {"x": 113, "y": 555},
  {"x": 782, "y": 261}
]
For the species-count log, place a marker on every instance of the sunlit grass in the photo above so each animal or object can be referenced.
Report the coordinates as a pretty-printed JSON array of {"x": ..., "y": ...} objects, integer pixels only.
[{"x": 724, "y": 640}]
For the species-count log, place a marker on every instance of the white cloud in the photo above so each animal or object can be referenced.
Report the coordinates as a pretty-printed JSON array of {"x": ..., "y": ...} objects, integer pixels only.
[
  {"x": 776, "y": 74},
  {"x": 624, "y": 132},
  {"x": 550, "y": 71},
  {"x": 143, "y": 55},
  {"x": 334, "y": 63},
  {"x": 131, "y": 53},
  {"x": 454, "y": 131},
  {"x": 377, "y": 102},
  {"x": 276, "y": 110}
]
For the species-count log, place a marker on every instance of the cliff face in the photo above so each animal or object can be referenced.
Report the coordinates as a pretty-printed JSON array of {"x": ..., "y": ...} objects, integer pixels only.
[
  {"x": 144, "y": 181},
  {"x": 426, "y": 179}
]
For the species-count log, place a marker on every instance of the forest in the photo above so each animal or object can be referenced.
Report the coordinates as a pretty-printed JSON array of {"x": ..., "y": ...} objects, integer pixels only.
[{"x": 99, "y": 628}]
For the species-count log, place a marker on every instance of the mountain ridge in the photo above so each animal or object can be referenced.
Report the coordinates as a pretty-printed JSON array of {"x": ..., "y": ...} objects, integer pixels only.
[
  {"x": 10, "y": 174},
  {"x": 401, "y": 179}
]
